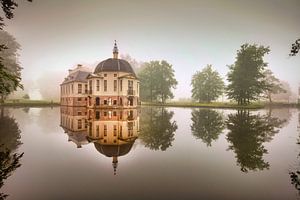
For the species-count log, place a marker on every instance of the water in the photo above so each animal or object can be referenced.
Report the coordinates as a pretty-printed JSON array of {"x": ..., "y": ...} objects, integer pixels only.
[{"x": 160, "y": 153}]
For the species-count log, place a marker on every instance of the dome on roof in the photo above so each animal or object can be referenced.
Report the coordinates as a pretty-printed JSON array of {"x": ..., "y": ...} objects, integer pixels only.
[
  {"x": 114, "y": 65},
  {"x": 113, "y": 150}
]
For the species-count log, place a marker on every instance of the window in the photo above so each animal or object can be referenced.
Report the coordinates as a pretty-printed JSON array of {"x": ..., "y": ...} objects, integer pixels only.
[
  {"x": 114, "y": 113},
  {"x": 105, "y": 114},
  {"x": 79, "y": 99},
  {"x": 97, "y": 131},
  {"x": 98, "y": 85},
  {"x": 79, "y": 113},
  {"x": 115, "y": 75},
  {"x": 115, "y": 85},
  {"x": 72, "y": 88},
  {"x": 79, "y": 125},
  {"x": 97, "y": 115},
  {"x": 105, "y": 102},
  {"x": 105, "y": 130},
  {"x": 105, "y": 75},
  {"x": 105, "y": 85},
  {"x": 121, "y": 85},
  {"x": 91, "y": 86},
  {"x": 115, "y": 102},
  {"x": 130, "y": 85},
  {"x": 121, "y": 131},
  {"x": 115, "y": 130},
  {"x": 90, "y": 128},
  {"x": 79, "y": 88},
  {"x": 137, "y": 87},
  {"x": 85, "y": 88}
]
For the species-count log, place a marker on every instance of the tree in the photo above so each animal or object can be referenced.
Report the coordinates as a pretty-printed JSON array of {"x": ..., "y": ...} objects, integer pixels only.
[
  {"x": 26, "y": 96},
  {"x": 207, "y": 85},
  {"x": 273, "y": 85},
  {"x": 9, "y": 79},
  {"x": 10, "y": 70},
  {"x": 136, "y": 65},
  {"x": 157, "y": 128},
  {"x": 247, "y": 133},
  {"x": 9, "y": 143},
  {"x": 157, "y": 80},
  {"x": 285, "y": 95},
  {"x": 207, "y": 125},
  {"x": 246, "y": 77},
  {"x": 295, "y": 48}
]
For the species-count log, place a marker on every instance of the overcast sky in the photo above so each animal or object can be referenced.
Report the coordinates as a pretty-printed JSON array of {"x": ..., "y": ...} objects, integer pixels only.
[{"x": 58, "y": 34}]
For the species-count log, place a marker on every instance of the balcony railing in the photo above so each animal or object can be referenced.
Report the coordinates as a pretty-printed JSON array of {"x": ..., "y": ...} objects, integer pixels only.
[{"x": 130, "y": 92}]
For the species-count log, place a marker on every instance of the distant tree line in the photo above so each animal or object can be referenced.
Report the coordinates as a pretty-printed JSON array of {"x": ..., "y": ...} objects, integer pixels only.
[{"x": 249, "y": 79}]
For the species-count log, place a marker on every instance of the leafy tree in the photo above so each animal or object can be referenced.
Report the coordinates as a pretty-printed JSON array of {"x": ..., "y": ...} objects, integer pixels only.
[
  {"x": 10, "y": 141},
  {"x": 207, "y": 125},
  {"x": 295, "y": 48},
  {"x": 26, "y": 96},
  {"x": 273, "y": 85},
  {"x": 207, "y": 85},
  {"x": 10, "y": 70},
  {"x": 9, "y": 78},
  {"x": 157, "y": 79},
  {"x": 247, "y": 133},
  {"x": 246, "y": 77},
  {"x": 157, "y": 128},
  {"x": 136, "y": 65},
  {"x": 284, "y": 95}
]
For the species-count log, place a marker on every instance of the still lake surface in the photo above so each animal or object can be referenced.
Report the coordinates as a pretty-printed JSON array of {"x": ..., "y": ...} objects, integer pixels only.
[{"x": 150, "y": 153}]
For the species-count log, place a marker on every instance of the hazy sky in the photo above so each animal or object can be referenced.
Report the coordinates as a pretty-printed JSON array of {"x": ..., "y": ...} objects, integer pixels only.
[{"x": 58, "y": 34}]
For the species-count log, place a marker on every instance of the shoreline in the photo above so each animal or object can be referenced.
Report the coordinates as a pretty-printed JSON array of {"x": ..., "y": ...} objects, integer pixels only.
[{"x": 218, "y": 105}]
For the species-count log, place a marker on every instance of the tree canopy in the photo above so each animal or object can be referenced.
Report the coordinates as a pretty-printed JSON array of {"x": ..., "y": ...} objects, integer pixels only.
[
  {"x": 273, "y": 85},
  {"x": 207, "y": 85},
  {"x": 295, "y": 48},
  {"x": 10, "y": 70},
  {"x": 247, "y": 134},
  {"x": 157, "y": 128},
  {"x": 207, "y": 125},
  {"x": 246, "y": 76},
  {"x": 157, "y": 81}
]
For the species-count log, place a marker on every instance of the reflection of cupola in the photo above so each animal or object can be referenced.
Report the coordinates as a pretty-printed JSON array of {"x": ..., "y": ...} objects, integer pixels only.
[
  {"x": 114, "y": 151},
  {"x": 115, "y": 51},
  {"x": 115, "y": 164}
]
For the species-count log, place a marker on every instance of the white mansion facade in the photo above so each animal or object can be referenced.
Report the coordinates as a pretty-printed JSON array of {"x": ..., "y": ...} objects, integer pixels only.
[{"x": 113, "y": 84}]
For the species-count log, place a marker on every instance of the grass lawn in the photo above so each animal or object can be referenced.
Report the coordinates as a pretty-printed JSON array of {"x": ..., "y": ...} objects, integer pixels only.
[
  {"x": 208, "y": 105},
  {"x": 27, "y": 102}
]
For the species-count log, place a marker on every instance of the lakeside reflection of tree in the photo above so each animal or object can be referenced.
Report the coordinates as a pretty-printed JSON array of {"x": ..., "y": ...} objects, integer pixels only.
[
  {"x": 157, "y": 128},
  {"x": 9, "y": 143},
  {"x": 295, "y": 174},
  {"x": 207, "y": 125},
  {"x": 247, "y": 133}
]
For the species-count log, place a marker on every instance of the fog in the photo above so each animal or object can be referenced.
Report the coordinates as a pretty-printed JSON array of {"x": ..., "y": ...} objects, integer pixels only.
[{"x": 57, "y": 35}]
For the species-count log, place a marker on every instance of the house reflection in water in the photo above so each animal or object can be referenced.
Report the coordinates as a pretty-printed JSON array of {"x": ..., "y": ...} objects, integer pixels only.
[{"x": 113, "y": 131}]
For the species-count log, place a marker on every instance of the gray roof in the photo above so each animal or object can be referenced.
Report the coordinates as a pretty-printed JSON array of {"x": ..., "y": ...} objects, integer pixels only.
[
  {"x": 114, "y": 65},
  {"x": 79, "y": 76}
]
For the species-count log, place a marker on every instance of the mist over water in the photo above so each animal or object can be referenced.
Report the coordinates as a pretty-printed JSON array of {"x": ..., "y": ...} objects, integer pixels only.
[{"x": 56, "y": 36}]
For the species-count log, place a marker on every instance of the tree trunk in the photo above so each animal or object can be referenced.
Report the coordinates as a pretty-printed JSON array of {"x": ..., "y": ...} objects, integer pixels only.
[{"x": 2, "y": 99}]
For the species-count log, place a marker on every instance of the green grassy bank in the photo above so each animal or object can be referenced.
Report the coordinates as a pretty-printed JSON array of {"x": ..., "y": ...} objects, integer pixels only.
[
  {"x": 28, "y": 103},
  {"x": 227, "y": 105}
]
